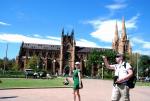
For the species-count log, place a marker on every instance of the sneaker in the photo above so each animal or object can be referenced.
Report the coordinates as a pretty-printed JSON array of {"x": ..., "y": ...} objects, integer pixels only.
[{"x": 65, "y": 83}]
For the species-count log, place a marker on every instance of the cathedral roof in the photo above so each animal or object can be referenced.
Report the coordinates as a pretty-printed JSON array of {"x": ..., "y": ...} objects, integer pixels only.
[
  {"x": 88, "y": 49},
  {"x": 57, "y": 47},
  {"x": 41, "y": 46}
]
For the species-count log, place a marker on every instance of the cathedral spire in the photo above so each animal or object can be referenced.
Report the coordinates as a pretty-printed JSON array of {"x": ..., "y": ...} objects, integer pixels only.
[
  {"x": 62, "y": 33},
  {"x": 116, "y": 38},
  {"x": 124, "y": 35},
  {"x": 72, "y": 33}
]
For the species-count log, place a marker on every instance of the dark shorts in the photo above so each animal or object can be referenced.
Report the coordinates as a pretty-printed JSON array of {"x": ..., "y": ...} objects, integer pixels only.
[
  {"x": 76, "y": 87},
  {"x": 66, "y": 75}
]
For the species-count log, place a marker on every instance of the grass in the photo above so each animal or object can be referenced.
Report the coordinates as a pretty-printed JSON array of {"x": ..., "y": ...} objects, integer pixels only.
[
  {"x": 31, "y": 83},
  {"x": 143, "y": 84},
  {"x": 40, "y": 83}
]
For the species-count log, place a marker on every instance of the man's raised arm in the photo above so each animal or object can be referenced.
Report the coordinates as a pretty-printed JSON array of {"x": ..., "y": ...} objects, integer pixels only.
[{"x": 107, "y": 64}]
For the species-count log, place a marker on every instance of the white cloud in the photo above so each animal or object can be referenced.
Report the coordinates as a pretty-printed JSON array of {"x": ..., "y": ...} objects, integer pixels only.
[
  {"x": 143, "y": 52},
  {"x": 36, "y": 35},
  {"x": 131, "y": 23},
  {"x": 4, "y": 24},
  {"x": 116, "y": 6},
  {"x": 105, "y": 29},
  {"x": 17, "y": 38},
  {"x": 137, "y": 40},
  {"x": 145, "y": 44},
  {"x": 86, "y": 43},
  {"x": 53, "y": 38}
]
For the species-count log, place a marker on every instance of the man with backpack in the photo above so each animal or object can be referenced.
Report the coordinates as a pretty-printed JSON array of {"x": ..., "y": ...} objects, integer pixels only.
[{"x": 123, "y": 72}]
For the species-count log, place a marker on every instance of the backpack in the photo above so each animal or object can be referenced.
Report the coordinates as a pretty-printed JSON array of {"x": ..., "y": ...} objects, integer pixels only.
[{"x": 132, "y": 80}]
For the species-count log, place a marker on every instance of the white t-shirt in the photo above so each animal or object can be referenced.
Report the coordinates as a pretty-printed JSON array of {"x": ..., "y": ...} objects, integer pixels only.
[{"x": 120, "y": 70}]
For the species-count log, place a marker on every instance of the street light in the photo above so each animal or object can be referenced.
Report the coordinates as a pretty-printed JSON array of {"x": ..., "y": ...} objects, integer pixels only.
[
  {"x": 102, "y": 70},
  {"x": 44, "y": 66},
  {"x": 5, "y": 59},
  {"x": 37, "y": 65},
  {"x": 85, "y": 63},
  {"x": 54, "y": 66},
  {"x": 137, "y": 74}
]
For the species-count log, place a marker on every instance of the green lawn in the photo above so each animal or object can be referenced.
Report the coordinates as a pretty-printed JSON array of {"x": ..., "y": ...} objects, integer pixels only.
[
  {"x": 31, "y": 83},
  {"x": 143, "y": 84}
]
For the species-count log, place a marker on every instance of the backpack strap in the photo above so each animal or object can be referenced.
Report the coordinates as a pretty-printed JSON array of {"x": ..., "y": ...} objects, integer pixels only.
[{"x": 124, "y": 65}]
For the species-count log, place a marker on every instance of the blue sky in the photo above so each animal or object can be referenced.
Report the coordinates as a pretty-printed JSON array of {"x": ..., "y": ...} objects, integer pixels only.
[{"x": 93, "y": 21}]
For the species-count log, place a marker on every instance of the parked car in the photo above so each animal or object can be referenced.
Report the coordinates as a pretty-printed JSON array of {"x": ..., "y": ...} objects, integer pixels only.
[
  {"x": 28, "y": 73},
  {"x": 147, "y": 79}
]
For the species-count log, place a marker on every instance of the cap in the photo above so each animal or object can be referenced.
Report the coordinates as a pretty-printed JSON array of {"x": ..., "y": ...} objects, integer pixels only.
[
  {"x": 119, "y": 54},
  {"x": 77, "y": 63}
]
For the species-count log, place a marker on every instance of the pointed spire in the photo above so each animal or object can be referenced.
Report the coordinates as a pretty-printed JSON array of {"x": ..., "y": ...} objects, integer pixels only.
[
  {"x": 116, "y": 38},
  {"x": 62, "y": 33},
  {"x": 72, "y": 33},
  {"x": 115, "y": 41},
  {"x": 62, "y": 36},
  {"x": 123, "y": 36}
]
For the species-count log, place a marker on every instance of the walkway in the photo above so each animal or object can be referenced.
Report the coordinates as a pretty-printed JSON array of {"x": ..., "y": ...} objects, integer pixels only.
[{"x": 94, "y": 90}]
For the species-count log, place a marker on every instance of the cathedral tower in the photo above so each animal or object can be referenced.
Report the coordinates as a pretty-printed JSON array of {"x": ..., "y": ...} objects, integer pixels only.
[
  {"x": 121, "y": 45},
  {"x": 67, "y": 51}
]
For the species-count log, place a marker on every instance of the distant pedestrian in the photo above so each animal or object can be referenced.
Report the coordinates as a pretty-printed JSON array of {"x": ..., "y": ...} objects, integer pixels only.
[{"x": 66, "y": 75}]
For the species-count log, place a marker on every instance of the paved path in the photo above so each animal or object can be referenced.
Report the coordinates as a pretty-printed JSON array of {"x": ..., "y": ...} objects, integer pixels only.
[{"x": 94, "y": 90}]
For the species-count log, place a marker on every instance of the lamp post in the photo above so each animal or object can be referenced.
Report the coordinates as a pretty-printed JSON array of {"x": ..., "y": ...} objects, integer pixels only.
[
  {"x": 54, "y": 66},
  {"x": 44, "y": 66},
  {"x": 102, "y": 70},
  {"x": 37, "y": 65},
  {"x": 137, "y": 66},
  {"x": 5, "y": 59},
  {"x": 85, "y": 63}
]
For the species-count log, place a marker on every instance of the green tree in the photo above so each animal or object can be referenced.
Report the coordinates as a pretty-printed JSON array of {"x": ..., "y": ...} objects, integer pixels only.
[
  {"x": 144, "y": 65},
  {"x": 33, "y": 63},
  {"x": 95, "y": 61},
  {"x": 1, "y": 64},
  {"x": 10, "y": 64}
]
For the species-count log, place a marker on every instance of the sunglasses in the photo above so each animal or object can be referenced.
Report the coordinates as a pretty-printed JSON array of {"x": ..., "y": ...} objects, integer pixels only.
[{"x": 117, "y": 56}]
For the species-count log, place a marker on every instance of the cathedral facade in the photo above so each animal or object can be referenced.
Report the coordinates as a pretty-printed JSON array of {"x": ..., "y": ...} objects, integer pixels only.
[{"x": 53, "y": 58}]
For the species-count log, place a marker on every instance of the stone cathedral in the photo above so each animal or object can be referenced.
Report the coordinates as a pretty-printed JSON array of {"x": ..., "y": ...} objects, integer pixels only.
[{"x": 53, "y": 58}]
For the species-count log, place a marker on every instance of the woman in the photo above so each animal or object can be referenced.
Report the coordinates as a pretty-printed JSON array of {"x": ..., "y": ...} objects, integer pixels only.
[{"x": 77, "y": 81}]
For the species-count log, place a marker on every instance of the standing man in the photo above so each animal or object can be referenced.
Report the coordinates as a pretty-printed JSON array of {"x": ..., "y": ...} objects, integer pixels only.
[{"x": 123, "y": 71}]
